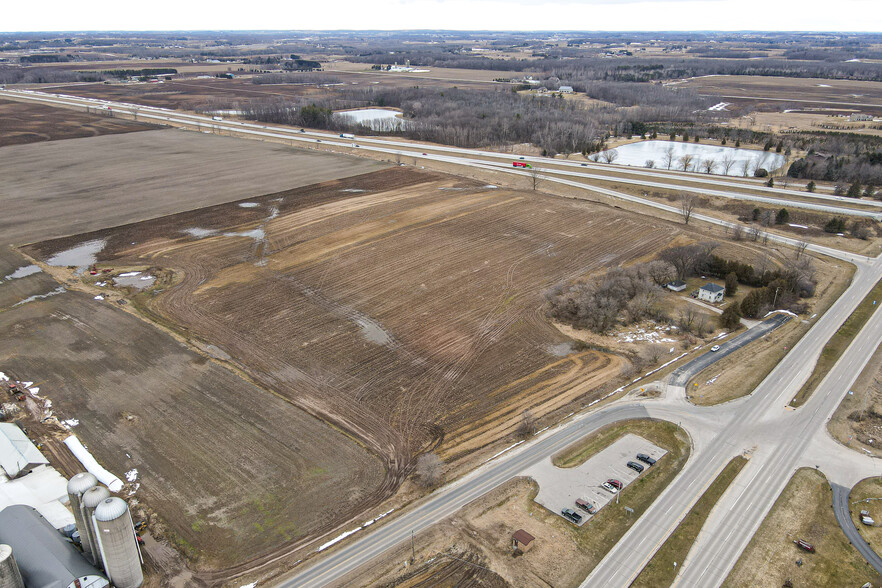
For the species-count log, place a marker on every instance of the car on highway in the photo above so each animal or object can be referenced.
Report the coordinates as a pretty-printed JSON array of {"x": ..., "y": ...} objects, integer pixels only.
[
  {"x": 571, "y": 515},
  {"x": 715, "y": 348},
  {"x": 584, "y": 165},
  {"x": 586, "y": 506},
  {"x": 609, "y": 488},
  {"x": 425, "y": 153},
  {"x": 635, "y": 466},
  {"x": 615, "y": 483},
  {"x": 645, "y": 459}
]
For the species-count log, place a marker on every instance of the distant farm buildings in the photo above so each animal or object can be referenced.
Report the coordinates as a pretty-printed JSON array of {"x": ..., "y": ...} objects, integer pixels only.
[{"x": 565, "y": 89}]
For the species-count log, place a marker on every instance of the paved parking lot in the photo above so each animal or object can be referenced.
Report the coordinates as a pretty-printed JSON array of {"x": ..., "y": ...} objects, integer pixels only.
[{"x": 560, "y": 487}]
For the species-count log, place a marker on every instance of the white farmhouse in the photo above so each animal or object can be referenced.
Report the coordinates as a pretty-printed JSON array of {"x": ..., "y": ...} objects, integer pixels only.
[{"x": 711, "y": 293}]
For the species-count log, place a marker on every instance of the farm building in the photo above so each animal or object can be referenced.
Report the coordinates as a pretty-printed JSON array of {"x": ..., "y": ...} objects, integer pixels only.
[
  {"x": 18, "y": 455},
  {"x": 711, "y": 293},
  {"x": 44, "y": 557},
  {"x": 676, "y": 286},
  {"x": 565, "y": 89},
  {"x": 522, "y": 541}
]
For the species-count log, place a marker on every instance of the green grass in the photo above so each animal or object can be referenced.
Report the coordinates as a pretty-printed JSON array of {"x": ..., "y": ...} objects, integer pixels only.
[
  {"x": 660, "y": 570},
  {"x": 835, "y": 347},
  {"x": 597, "y": 536}
]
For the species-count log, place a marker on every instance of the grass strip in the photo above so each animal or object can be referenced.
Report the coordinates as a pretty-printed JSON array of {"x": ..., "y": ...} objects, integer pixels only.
[
  {"x": 661, "y": 570},
  {"x": 837, "y": 344}
]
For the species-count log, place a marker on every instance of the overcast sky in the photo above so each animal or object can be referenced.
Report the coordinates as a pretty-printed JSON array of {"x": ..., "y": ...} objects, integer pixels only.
[{"x": 588, "y": 15}]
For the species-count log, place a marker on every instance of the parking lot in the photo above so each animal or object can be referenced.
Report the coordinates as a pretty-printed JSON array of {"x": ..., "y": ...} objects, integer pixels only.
[{"x": 560, "y": 487}]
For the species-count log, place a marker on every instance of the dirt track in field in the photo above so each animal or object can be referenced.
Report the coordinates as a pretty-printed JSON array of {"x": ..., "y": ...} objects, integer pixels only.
[
  {"x": 408, "y": 314},
  {"x": 22, "y": 123}
]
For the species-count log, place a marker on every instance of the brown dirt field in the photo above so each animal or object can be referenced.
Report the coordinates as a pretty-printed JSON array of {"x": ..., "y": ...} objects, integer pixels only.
[
  {"x": 814, "y": 90},
  {"x": 22, "y": 122},
  {"x": 60, "y": 188},
  {"x": 342, "y": 309},
  {"x": 801, "y": 512},
  {"x": 224, "y": 462}
]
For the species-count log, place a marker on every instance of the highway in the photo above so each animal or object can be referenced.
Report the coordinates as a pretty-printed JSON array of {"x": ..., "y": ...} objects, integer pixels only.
[{"x": 777, "y": 438}]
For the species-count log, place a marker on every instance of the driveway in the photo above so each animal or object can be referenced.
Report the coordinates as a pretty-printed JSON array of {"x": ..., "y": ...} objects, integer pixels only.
[{"x": 684, "y": 373}]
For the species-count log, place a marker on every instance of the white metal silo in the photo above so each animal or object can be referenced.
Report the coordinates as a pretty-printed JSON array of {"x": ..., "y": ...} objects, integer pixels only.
[
  {"x": 76, "y": 487},
  {"x": 115, "y": 536},
  {"x": 10, "y": 577},
  {"x": 89, "y": 502}
]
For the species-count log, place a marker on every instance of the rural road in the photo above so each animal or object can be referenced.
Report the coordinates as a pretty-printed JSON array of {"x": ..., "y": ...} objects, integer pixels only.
[
  {"x": 843, "y": 517},
  {"x": 762, "y": 425},
  {"x": 684, "y": 373}
]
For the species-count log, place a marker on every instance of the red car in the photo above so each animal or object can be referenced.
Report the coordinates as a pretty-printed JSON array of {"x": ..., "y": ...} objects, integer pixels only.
[
  {"x": 615, "y": 483},
  {"x": 521, "y": 164}
]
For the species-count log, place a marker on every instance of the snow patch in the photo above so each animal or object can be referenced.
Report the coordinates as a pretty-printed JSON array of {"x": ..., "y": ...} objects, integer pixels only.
[
  {"x": 346, "y": 534},
  {"x": 664, "y": 365},
  {"x": 70, "y": 422},
  {"x": 129, "y": 275},
  {"x": 781, "y": 311},
  {"x": 248, "y": 205},
  {"x": 504, "y": 450},
  {"x": 23, "y": 272},
  {"x": 797, "y": 226},
  {"x": 132, "y": 475},
  {"x": 99, "y": 297}
]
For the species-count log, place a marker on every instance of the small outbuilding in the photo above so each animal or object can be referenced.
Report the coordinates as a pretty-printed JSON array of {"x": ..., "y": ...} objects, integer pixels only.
[
  {"x": 18, "y": 456},
  {"x": 676, "y": 286},
  {"x": 565, "y": 89},
  {"x": 711, "y": 293},
  {"x": 522, "y": 541}
]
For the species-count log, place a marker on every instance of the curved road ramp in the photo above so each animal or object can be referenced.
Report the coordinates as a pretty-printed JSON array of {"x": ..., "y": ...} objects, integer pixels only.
[{"x": 684, "y": 373}]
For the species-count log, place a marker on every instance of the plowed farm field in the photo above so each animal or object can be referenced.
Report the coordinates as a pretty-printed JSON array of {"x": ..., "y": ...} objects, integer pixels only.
[{"x": 404, "y": 307}]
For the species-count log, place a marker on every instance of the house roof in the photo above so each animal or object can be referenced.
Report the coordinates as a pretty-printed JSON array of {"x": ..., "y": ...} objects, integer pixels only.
[
  {"x": 17, "y": 453},
  {"x": 522, "y": 536},
  {"x": 713, "y": 288},
  {"x": 677, "y": 283}
]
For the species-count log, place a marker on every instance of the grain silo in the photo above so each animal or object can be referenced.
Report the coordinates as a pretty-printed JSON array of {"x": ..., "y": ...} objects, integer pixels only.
[
  {"x": 10, "y": 577},
  {"x": 76, "y": 487},
  {"x": 115, "y": 538},
  {"x": 89, "y": 502}
]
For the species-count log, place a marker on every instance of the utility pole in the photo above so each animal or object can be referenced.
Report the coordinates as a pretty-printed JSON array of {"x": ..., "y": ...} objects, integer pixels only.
[
  {"x": 776, "y": 297},
  {"x": 412, "y": 548}
]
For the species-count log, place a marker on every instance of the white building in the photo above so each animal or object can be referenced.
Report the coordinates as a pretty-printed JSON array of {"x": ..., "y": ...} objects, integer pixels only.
[
  {"x": 711, "y": 293},
  {"x": 18, "y": 455},
  {"x": 565, "y": 89}
]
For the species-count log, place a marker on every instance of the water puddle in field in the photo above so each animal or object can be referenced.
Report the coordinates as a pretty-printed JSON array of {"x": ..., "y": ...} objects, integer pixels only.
[
  {"x": 82, "y": 255},
  {"x": 23, "y": 272},
  {"x": 559, "y": 349},
  {"x": 199, "y": 233},
  {"x": 257, "y": 234},
  {"x": 248, "y": 205},
  {"x": 372, "y": 331},
  {"x": 134, "y": 280},
  {"x": 56, "y": 291}
]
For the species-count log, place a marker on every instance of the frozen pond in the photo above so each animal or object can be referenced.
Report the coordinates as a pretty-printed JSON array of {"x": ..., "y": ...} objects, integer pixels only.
[
  {"x": 378, "y": 119},
  {"x": 637, "y": 154},
  {"x": 23, "y": 272}
]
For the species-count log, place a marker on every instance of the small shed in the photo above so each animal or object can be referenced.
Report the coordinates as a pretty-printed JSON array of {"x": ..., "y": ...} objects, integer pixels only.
[
  {"x": 18, "y": 455},
  {"x": 522, "y": 541},
  {"x": 676, "y": 286},
  {"x": 565, "y": 89},
  {"x": 711, "y": 293}
]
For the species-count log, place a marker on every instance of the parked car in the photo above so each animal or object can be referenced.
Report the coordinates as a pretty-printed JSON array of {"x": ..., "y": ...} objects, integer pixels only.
[
  {"x": 586, "y": 506},
  {"x": 571, "y": 515},
  {"x": 615, "y": 483},
  {"x": 609, "y": 488},
  {"x": 645, "y": 459},
  {"x": 866, "y": 518},
  {"x": 635, "y": 466},
  {"x": 715, "y": 348},
  {"x": 805, "y": 545}
]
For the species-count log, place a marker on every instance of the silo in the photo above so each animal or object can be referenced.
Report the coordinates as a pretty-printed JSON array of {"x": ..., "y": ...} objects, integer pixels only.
[
  {"x": 89, "y": 502},
  {"x": 76, "y": 487},
  {"x": 10, "y": 577},
  {"x": 115, "y": 536}
]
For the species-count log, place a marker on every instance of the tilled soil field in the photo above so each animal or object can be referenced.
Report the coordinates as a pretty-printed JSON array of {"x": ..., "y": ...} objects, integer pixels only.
[
  {"x": 22, "y": 123},
  {"x": 235, "y": 472},
  {"x": 401, "y": 306}
]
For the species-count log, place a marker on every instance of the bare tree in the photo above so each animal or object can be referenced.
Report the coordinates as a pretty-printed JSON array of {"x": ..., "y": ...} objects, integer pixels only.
[
  {"x": 800, "y": 248},
  {"x": 688, "y": 203},
  {"x": 610, "y": 155},
  {"x": 661, "y": 272},
  {"x": 745, "y": 168},
  {"x": 535, "y": 178},
  {"x": 650, "y": 163},
  {"x": 429, "y": 470},
  {"x": 668, "y": 157},
  {"x": 754, "y": 232},
  {"x": 527, "y": 426},
  {"x": 686, "y": 161},
  {"x": 727, "y": 163},
  {"x": 708, "y": 165},
  {"x": 737, "y": 233}
]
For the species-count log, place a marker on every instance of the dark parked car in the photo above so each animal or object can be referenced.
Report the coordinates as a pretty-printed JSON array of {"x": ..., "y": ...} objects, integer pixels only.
[
  {"x": 571, "y": 515},
  {"x": 635, "y": 466},
  {"x": 586, "y": 506},
  {"x": 645, "y": 459}
]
